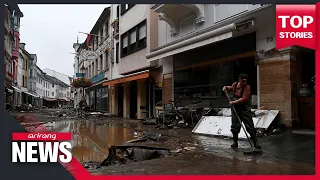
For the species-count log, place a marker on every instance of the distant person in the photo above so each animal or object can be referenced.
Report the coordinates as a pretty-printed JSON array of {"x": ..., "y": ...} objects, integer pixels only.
[{"x": 241, "y": 102}]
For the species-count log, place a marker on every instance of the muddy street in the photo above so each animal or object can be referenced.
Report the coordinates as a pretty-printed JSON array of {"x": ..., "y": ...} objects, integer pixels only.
[{"x": 189, "y": 154}]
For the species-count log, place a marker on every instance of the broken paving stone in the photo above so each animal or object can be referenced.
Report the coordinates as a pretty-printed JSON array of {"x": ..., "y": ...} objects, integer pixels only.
[{"x": 189, "y": 148}]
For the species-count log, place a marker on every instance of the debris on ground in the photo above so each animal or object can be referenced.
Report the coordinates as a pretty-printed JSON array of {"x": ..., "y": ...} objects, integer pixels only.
[
  {"x": 112, "y": 158},
  {"x": 130, "y": 154},
  {"x": 189, "y": 148},
  {"x": 91, "y": 165},
  {"x": 178, "y": 150}
]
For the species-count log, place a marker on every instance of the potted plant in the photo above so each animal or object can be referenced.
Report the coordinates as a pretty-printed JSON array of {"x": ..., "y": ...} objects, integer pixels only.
[{"x": 81, "y": 83}]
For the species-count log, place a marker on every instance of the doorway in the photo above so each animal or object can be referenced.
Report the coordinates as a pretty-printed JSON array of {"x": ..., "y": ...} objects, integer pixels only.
[
  {"x": 133, "y": 99},
  {"x": 120, "y": 100}
]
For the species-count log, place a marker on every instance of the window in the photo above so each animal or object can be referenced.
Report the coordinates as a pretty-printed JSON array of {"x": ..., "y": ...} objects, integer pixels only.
[
  {"x": 52, "y": 93},
  {"x": 101, "y": 35},
  {"x": 101, "y": 62},
  {"x": 118, "y": 12},
  {"x": 117, "y": 53},
  {"x": 124, "y": 44},
  {"x": 106, "y": 62},
  {"x": 89, "y": 74},
  {"x": 134, "y": 40},
  {"x": 97, "y": 68},
  {"x": 52, "y": 85},
  {"x": 142, "y": 35},
  {"x": 125, "y": 8}
]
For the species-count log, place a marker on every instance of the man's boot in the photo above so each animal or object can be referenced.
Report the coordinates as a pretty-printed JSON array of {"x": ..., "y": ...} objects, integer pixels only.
[
  {"x": 255, "y": 141},
  {"x": 235, "y": 141}
]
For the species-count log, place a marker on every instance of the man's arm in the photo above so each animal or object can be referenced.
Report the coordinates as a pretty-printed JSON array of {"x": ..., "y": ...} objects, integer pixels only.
[
  {"x": 230, "y": 88},
  {"x": 245, "y": 97}
]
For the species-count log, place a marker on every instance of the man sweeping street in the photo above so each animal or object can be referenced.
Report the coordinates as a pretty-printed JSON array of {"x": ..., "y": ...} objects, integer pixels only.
[{"x": 241, "y": 103}]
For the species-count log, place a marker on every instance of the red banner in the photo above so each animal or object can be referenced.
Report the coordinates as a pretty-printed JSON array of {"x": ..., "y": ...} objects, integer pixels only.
[
  {"x": 296, "y": 25},
  {"x": 41, "y": 136}
]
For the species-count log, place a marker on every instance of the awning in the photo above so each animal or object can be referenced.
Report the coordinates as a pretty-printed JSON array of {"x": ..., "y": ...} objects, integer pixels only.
[
  {"x": 194, "y": 42},
  {"x": 49, "y": 99},
  {"x": 134, "y": 77},
  {"x": 63, "y": 99},
  {"x": 16, "y": 89},
  {"x": 30, "y": 94}
]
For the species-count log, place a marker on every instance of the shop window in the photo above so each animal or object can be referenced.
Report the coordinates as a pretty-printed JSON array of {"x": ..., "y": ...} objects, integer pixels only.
[
  {"x": 205, "y": 83},
  {"x": 104, "y": 99}
]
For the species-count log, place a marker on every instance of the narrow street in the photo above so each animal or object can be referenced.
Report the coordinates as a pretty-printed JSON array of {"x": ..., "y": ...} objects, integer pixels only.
[{"x": 283, "y": 154}]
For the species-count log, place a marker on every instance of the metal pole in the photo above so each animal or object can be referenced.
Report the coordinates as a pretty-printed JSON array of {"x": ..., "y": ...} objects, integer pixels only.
[{"x": 93, "y": 34}]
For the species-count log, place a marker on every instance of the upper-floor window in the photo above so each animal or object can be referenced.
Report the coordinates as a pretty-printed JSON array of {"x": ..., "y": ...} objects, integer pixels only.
[
  {"x": 101, "y": 35},
  {"x": 134, "y": 39},
  {"x": 52, "y": 85},
  {"x": 117, "y": 53},
  {"x": 125, "y": 7},
  {"x": 118, "y": 11}
]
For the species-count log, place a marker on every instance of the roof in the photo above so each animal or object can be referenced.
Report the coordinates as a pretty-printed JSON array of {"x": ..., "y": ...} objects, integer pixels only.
[
  {"x": 52, "y": 79},
  {"x": 13, "y": 6},
  {"x": 25, "y": 52},
  {"x": 105, "y": 15}
]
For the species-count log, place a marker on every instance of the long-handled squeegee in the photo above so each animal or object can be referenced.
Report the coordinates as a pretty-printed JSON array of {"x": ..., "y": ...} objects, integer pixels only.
[{"x": 254, "y": 150}]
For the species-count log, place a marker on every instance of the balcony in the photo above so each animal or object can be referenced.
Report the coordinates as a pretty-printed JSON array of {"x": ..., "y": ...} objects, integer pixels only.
[
  {"x": 97, "y": 78},
  {"x": 168, "y": 13},
  {"x": 15, "y": 54},
  {"x": 115, "y": 26}
]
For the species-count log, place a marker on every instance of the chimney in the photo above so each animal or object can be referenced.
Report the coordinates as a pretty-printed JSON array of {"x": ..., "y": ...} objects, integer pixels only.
[{"x": 22, "y": 45}]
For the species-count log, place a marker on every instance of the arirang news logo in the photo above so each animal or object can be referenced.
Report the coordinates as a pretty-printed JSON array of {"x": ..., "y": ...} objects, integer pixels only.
[
  {"x": 41, "y": 147},
  {"x": 296, "y": 25}
]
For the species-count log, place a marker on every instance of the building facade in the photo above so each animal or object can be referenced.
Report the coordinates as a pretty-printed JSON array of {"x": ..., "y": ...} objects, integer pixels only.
[
  {"x": 131, "y": 84},
  {"x": 52, "y": 91},
  {"x": 205, "y": 46},
  {"x": 96, "y": 64},
  {"x": 65, "y": 79}
]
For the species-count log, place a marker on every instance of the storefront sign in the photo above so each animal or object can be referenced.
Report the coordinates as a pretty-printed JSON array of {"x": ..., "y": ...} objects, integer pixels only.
[
  {"x": 79, "y": 75},
  {"x": 88, "y": 55}
]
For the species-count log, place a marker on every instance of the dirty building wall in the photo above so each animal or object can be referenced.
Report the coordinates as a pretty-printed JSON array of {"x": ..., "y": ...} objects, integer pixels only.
[{"x": 276, "y": 71}]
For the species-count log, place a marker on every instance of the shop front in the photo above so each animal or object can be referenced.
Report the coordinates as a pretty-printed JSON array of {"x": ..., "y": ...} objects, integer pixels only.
[
  {"x": 200, "y": 74},
  {"x": 132, "y": 96},
  {"x": 306, "y": 89},
  {"x": 98, "y": 98}
]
